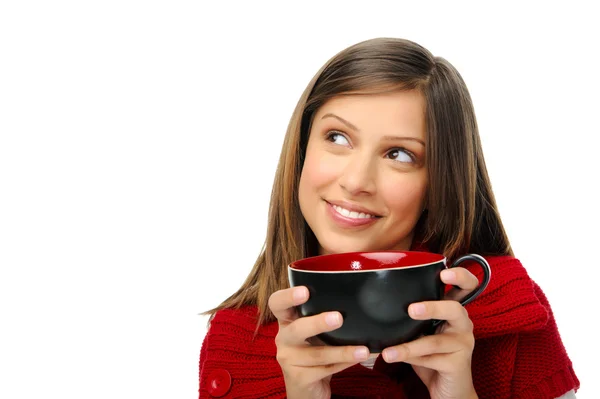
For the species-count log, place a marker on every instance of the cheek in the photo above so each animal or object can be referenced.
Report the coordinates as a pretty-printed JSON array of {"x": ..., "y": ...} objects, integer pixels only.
[
  {"x": 318, "y": 171},
  {"x": 405, "y": 198}
]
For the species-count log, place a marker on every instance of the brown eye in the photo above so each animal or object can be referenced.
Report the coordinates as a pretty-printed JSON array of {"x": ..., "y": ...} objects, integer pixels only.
[
  {"x": 401, "y": 155},
  {"x": 337, "y": 138}
]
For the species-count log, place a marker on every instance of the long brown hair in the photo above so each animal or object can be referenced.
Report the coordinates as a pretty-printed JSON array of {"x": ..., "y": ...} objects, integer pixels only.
[{"x": 461, "y": 213}]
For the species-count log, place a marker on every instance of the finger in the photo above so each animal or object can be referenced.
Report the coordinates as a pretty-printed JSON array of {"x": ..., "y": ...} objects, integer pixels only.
[
  {"x": 463, "y": 281},
  {"x": 451, "y": 311},
  {"x": 310, "y": 375},
  {"x": 325, "y": 355},
  {"x": 297, "y": 332},
  {"x": 428, "y": 346},
  {"x": 336, "y": 368},
  {"x": 282, "y": 303},
  {"x": 316, "y": 341},
  {"x": 443, "y": 363}
]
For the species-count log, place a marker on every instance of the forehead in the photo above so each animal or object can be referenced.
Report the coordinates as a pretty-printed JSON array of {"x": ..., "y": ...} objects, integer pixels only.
[{"x": 389, "y": 113}]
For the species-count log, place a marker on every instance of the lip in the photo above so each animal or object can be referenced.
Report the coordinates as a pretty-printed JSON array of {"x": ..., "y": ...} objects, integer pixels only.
[
  {"x": 346, "y": 222},
  {"x": 353, "y": 207}
]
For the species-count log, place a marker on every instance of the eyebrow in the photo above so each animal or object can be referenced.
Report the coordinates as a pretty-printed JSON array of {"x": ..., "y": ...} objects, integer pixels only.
[{"x": 386, "y": 138}]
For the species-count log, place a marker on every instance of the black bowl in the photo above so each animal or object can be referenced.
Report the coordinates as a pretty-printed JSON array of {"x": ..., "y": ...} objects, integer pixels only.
[{"x": 372, "y": 291}]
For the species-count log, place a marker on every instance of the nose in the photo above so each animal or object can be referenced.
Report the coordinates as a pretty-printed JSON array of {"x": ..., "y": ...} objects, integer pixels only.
[{"x": 358, "y": 176}]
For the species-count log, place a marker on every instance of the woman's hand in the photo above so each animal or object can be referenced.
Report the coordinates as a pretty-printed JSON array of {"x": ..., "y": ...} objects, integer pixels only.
[
  {"x": 443, "y": 360},
  {"x": 307, "y": 369}
]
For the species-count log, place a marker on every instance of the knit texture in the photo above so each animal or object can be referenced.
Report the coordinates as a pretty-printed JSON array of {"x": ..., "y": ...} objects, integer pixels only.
[{"x": 518, "y": 350}]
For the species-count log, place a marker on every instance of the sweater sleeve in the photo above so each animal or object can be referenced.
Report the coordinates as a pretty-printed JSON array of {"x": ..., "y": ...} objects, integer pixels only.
[
  {"x": 509, "y": 304},
  {"x": 543, "y": 368},
  {"x": 238, "y": 362}
]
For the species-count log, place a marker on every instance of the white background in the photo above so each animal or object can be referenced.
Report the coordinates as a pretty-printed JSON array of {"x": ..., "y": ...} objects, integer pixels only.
[{"x": 139, "y": 141}]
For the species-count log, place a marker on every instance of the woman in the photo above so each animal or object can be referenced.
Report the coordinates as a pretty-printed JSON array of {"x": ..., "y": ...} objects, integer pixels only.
[{"x": 383, "y": 153}]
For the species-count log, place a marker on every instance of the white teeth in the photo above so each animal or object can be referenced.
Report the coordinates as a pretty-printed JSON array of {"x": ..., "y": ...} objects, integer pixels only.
[{"x": 352, "y": 214}]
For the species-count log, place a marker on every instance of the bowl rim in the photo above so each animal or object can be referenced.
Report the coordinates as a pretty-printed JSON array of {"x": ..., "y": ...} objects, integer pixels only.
[{"x": 296, "y": 265}]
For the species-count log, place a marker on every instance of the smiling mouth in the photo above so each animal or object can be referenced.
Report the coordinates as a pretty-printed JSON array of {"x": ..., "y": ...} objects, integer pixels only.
[{"x": 353, "y": 214}]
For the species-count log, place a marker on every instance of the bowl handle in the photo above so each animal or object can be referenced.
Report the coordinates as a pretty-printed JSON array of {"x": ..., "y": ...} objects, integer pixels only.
[
  {"x": 487, "y": 272},
  {"x": 486, "y": 275}
]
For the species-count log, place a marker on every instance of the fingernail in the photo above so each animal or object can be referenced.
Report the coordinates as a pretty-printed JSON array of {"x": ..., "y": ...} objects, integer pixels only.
[
  {"x": 361, "y": 353},
  {"x": 417, "y": 309},
  {"x": 449, "y": 275},
  {"x": 333, "y": 319},
  {"x": 299, "y": 294},
  {"x": 389, "y": 355}
]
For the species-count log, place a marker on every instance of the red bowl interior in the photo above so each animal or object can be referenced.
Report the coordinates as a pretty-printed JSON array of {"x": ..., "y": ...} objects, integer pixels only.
[{"x": 356, "y": 261}]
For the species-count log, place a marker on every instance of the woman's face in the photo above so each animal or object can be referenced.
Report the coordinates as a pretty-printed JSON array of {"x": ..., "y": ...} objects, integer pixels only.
[{"x": 364, "y": 178}]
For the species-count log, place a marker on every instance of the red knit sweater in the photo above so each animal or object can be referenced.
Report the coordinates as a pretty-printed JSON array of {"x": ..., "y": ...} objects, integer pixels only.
[{"x": 518, "y": 350}]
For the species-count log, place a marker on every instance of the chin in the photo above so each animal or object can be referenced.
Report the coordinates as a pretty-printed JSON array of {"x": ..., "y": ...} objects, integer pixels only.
[
  {"x": 338, "y": 248},
  {"x": 339, "y": 244}
]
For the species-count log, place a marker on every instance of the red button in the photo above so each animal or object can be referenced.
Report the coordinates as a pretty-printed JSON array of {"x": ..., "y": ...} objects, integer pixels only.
[{"x": 219, "y": 383}]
